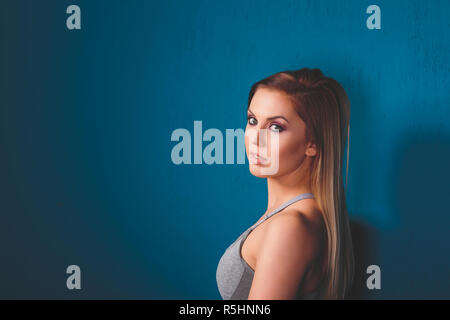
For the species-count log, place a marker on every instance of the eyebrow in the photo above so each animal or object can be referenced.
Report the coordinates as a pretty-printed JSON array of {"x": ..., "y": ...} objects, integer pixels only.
[{"x": 271, "y": 118}]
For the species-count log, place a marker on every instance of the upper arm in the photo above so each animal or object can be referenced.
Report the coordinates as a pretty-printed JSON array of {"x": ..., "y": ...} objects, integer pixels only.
[{"x": 288, "y": 246}]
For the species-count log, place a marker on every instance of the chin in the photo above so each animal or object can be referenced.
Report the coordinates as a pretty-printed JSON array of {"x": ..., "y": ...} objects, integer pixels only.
[{"x": 256, "y": 170}]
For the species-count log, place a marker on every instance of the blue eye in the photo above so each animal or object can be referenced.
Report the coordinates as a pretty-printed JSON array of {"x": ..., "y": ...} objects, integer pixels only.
[
  {"x": 278, "y": 129},
  {"x": 249, "y": 120}
]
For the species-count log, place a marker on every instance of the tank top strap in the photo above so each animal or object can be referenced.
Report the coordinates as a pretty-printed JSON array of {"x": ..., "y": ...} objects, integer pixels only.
[{"x": 282, "y": 206}]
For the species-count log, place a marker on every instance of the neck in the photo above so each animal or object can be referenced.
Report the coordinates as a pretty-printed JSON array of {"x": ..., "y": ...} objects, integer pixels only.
[{"x": 283, "y": 188}]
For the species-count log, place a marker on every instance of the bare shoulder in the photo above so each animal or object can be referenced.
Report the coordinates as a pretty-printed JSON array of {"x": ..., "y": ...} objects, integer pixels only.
[
  {"x": 294, "y": 231},
  {"x": 288, "y": 250},
  {"x": 292, "y": 220}
]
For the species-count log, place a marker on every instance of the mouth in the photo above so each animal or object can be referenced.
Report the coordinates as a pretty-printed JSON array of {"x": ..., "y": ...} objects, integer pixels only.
[{"x": 254, "y": 158}]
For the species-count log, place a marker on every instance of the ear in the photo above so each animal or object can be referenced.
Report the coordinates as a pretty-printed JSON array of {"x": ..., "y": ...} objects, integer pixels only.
[{"x": 311, "y": 149}]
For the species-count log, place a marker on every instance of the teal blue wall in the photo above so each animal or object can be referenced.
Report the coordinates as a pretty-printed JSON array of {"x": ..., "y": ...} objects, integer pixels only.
[{"x": 86, "y": 119}]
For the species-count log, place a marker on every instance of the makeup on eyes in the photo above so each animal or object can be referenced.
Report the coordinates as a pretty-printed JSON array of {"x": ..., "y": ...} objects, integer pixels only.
[
  {"x": 250, "y": 113},
  {"x": 281, "y": 127}
]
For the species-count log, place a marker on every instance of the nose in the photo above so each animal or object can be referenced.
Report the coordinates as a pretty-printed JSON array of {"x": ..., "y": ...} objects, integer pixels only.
[{"x": 257, "y": 137}]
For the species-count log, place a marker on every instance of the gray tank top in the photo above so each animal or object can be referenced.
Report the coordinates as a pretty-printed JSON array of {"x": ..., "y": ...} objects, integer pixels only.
[{"x": 234, "y": 276}]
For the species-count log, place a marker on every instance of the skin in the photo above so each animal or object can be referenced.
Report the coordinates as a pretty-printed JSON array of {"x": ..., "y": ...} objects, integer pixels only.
[{"x": 285, "y": 251}]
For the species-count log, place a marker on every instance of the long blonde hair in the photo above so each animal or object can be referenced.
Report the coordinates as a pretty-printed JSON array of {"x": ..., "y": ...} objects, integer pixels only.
[{"x": 323, "y": 105}]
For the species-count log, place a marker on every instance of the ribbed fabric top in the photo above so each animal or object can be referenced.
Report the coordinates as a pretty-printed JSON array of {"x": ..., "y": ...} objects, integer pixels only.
[{"x": 234, "y": 276}]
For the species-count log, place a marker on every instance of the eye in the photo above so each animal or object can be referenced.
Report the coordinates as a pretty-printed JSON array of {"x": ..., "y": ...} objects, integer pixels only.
[
  {"x": 250, "y": 120},
  {"x": 277, "y": 127}
]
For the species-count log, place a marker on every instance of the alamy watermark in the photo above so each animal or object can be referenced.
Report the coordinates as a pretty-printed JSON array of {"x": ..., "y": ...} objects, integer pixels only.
[
  {"x": 74, "y": 280},
  {"x": 260, "y": 141}
]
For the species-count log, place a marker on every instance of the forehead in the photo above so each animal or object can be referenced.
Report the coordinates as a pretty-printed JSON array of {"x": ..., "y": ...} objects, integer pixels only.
[{"x": 269, "y": 102}]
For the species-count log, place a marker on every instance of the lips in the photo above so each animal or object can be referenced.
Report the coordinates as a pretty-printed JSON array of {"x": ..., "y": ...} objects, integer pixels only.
[{"x": 256, "y": 158}]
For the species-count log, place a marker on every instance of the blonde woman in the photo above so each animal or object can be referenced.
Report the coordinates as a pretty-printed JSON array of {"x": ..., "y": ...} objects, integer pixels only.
[{"x": 301, "y": 247}]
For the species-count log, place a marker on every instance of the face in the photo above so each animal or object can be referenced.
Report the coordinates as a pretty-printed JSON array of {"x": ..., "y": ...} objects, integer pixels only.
[{"x": 274, "y": 112}]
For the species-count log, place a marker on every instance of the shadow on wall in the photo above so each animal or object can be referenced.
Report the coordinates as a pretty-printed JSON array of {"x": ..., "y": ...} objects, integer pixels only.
[
  {"x": 416, "y": 260},
  {"x": 413, "y": 252},
  {"x": 365, "y": 250}
]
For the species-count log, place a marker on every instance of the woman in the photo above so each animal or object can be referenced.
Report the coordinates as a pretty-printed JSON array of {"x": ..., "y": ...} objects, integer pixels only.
[{"x": 301, "y": 247}]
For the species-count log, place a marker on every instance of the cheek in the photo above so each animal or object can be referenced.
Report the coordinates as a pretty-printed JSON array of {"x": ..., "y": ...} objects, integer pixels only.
[
  {"x": 284, "y": 149},
  {"x": 290, "y": 151}
]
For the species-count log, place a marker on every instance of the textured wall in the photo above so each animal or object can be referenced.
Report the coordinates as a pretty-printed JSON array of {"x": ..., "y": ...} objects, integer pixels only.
[{"x": 86, "y": 119}]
